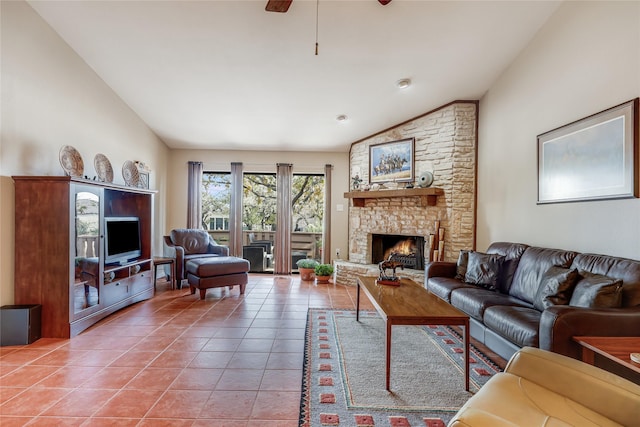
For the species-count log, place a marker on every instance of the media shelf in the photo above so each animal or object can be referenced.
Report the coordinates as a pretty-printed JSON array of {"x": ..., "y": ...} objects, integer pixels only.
[
  {"x": 60, "y": 254},
  {"x": 130, "y": 266}
]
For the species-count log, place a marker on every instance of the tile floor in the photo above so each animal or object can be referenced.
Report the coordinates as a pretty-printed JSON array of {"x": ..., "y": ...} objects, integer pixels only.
[{"x": 174, "y": 360}]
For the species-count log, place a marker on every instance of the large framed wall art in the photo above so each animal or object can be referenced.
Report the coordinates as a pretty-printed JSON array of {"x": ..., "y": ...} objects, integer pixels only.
[
  {"x": 391, "y": 161},
  {"x": 594, "y": 158}
]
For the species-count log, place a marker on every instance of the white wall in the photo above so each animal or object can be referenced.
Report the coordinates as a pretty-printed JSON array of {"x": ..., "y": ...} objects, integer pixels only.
[
  {"x": 584, "y": 60},
  {"x": 254, "y": 161},
  {"x": 51, "y": 98}
]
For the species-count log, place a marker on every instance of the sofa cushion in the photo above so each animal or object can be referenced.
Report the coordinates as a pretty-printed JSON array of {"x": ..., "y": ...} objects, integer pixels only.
[
  {"x": 597, "y": 291},
  {"x": 556, "y": 287},
  {"x": 512, "y": 253},
  {"x": 516, "y": 324},
  {"x": 474, "y": 300},
  {"x": 618, "y": 268},
  {"x": 461, "y": 265},
  {"x": 533, "y": 264},
  {"x": 484, "y": 269},
  {"x": 443, "y": 286}
]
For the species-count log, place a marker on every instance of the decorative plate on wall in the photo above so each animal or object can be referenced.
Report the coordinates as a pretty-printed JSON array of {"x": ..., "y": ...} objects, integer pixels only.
[
  {"x": 103, "y": 168},
  {"x": 130, "y": 173},
  {"x": 71, "y": 161},
  {"x": 425, "y": 179}
]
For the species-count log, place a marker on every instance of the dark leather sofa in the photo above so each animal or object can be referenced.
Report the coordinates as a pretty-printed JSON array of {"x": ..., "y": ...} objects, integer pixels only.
[{"x": 516, "y": 313}]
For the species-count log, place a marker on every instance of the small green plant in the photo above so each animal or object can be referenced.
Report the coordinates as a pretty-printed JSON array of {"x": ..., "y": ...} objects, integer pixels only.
[
  {"x": 307, "y": 263},
  {"x": 324, "y": 270}
]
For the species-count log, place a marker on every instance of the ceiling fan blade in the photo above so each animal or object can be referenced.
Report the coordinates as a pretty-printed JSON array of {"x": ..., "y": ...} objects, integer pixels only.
[{"x": 278, "y": 5}]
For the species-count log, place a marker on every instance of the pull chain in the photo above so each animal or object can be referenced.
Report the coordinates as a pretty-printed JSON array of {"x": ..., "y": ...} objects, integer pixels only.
[{"x": 317, "y": 8}]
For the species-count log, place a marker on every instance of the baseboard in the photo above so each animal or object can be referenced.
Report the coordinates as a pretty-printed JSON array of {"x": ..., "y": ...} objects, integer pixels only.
[
  {"x": 499, "y": 345},
  {"x": 476, "y": 330}
]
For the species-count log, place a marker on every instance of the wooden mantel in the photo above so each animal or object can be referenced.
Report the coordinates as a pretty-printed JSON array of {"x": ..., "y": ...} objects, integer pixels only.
[{"x": 428, "y": 196}]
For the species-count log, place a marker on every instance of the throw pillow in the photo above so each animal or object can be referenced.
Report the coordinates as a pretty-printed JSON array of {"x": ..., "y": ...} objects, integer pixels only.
[
  {"x": 484, "y": 269},
  {"x": 597, "y": 291},
  {"x": 556, "y": 287},
  {"x": 461, "y": 266}
]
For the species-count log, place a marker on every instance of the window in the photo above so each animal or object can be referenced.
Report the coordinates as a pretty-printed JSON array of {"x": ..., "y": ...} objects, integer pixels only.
[
  {"x": 259, "y": 202},
  {"x": 216, "y": 199},
  {"x": 307, "y": 200},
  {"x": 259, "y": 209}
]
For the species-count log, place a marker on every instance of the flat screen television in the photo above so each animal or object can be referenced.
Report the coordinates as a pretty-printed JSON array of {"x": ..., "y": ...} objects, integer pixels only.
[{"x": 122, "y": 239}]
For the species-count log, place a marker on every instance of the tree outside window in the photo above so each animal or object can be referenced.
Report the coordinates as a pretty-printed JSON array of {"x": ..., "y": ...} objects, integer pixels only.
[
  {"x": 216, "y": 200},
  {"x": 259, "y": 203}
]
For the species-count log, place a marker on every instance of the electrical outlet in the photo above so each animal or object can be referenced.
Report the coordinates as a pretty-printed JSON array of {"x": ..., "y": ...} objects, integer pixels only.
[{"x": 338, "y": 253}]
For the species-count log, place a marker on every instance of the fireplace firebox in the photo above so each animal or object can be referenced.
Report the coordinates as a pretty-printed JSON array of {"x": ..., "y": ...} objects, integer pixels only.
[{"x": 409, "y": 250}]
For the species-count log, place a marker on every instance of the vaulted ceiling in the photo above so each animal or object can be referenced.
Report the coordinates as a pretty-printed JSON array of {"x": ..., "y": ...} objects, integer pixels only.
[{"x": 230, "y": 75}]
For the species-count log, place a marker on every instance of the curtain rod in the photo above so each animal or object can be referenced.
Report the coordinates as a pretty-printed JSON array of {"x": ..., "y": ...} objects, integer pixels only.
[{"x": 262, "y": 167}]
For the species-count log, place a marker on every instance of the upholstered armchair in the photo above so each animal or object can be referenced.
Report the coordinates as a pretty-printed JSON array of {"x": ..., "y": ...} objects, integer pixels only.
[{"x": 184, "y": 244}]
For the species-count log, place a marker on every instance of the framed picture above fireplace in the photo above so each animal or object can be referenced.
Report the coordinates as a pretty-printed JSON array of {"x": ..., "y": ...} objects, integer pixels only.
[{"x": 392, "y": 161}]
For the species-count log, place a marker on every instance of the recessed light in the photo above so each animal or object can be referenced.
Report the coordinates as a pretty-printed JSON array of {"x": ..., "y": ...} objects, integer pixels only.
[
  {"x": 342, "y": 117},
  {"x": 403, "y": 83}
]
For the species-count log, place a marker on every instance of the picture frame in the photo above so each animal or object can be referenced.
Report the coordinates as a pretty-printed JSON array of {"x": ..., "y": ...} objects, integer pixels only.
[
  {"x": 143, "y": 181},
  {"x": 594, "y": 158},
  {"x": 143, "y": 174},
  {"x": 392, "y": 161}
]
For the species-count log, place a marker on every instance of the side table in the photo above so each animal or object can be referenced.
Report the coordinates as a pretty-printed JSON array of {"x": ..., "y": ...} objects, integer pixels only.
[
  {"x": 617, "y": 349},
  {"x": 157, "y": 260}
]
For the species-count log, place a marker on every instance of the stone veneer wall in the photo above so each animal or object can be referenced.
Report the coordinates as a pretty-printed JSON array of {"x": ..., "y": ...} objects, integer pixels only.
[{"x": 445, "y": 144}]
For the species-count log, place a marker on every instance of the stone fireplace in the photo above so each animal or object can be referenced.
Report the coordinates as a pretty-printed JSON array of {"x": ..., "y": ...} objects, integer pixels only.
[{"x": 445, "y": 144}]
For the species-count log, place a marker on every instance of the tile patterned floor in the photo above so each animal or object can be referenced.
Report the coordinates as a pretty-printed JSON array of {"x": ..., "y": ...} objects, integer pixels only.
[{"x": 174, "y": 360}]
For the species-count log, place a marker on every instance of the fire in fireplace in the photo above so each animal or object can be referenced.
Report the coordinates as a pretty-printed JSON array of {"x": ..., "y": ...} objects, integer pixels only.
[{"x": 409, "y": 250}]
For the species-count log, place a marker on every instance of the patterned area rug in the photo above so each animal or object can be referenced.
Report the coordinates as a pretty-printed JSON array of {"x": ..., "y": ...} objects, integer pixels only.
[{"x": 344, "y": 373}]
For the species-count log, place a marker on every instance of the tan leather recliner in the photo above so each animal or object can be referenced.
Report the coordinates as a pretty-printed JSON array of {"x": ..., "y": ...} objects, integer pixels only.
[{"x": 541, "y": 388}]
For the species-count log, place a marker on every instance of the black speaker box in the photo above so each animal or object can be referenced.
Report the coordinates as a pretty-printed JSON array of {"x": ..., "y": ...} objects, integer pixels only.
[{"x": 20, "y": 324}]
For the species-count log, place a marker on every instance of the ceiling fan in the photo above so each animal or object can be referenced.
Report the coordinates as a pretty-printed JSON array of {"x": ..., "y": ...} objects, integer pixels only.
[{"x": 283, "y": 5}]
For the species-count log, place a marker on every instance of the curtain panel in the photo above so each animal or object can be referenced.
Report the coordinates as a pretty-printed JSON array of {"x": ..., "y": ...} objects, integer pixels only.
[
  {"x": 235, "y": 211},
  {"x": 326, "y": 223},
  {"x": 194, "y": 195},
  {"x": 284, "y": 178}
]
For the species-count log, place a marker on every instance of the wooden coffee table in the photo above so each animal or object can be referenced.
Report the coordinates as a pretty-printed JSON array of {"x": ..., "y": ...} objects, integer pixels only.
[
  {"x": 617, "y": 349},
  {"x": 411, "y": 304}
]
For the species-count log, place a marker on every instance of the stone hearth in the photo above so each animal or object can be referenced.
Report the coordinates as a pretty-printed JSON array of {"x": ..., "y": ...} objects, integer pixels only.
[{"x": 346, "y": 272}]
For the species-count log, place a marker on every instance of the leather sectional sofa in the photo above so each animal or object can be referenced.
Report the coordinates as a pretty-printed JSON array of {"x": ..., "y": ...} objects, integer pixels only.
[{"x": 518, "y": 295}]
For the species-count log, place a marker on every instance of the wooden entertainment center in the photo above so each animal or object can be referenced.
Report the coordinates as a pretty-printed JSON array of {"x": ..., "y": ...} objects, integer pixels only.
[{"x": 60, "y": 250}]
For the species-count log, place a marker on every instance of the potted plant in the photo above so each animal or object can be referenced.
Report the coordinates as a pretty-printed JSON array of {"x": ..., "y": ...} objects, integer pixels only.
[
  {"x": 306, "y": 267},
  {"x": 323, "y": 273}
]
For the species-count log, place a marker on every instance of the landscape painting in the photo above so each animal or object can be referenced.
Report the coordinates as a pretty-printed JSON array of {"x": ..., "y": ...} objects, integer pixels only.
[{"x": 593, "y": 158}]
